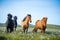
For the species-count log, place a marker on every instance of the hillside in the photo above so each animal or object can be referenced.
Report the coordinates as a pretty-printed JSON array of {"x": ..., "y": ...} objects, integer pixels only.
[
  {"x": 52, "y": 33},
  {"x": 53, "y": 26},
  {"x": 48, "y": 25},
  {"x": 2, "y": 24}
]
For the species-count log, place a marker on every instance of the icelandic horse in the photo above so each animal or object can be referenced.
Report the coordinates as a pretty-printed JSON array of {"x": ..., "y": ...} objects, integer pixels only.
[
  {"x": 41, "y": 24},
  {"x": 25, "y": 23}
]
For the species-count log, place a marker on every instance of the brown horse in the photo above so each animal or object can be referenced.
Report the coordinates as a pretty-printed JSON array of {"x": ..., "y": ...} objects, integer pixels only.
[
  {"x": 40, "y": 24},
  {"x": 25, "y": 23}
]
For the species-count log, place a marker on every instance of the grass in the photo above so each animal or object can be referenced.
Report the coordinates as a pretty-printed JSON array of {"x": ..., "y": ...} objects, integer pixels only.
[{"x": 51, "y": 34}]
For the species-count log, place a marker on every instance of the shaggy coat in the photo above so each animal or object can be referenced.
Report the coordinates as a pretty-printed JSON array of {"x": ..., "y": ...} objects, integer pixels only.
[
  {"x": 25, "y": 23},
  {"x": 40, "y": 24}
]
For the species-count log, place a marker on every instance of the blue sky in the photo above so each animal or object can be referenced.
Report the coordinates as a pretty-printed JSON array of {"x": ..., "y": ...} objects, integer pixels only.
[{"x": 37, "y": 8}]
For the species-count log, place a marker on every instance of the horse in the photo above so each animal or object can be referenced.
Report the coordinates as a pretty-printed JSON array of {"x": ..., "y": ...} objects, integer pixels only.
[
  {"x": 40, "y": 24},
  {"x": 25, "y": 23},
  {"x": 9, "y": 23},
  {"x": 15, "y": 22}
]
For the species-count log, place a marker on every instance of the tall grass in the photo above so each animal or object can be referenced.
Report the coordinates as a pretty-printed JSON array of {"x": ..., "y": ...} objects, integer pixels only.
[{"x": 50, "y": 34}]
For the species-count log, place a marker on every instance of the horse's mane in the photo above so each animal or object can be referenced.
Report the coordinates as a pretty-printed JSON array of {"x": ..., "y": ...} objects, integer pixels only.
[
  {"x": 24, "y": 19},
  {"x": 26, "y": 16},
  {"x": 44, "y": 19},
  {"x": 37, "y": 21}
]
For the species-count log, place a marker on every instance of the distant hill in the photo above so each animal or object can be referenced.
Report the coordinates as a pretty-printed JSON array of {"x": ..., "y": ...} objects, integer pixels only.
[
  {"x": 53, "y": 26},
  {"x": 2, "y": 24},
  {"x": 48, "y": 25}
]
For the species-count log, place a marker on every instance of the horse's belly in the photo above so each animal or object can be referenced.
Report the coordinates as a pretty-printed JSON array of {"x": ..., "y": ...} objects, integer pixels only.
[{"x": 39, "y": 25}]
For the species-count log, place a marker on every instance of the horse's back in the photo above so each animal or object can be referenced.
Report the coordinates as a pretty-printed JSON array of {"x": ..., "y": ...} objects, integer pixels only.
[{"x": 40, "y": 24}]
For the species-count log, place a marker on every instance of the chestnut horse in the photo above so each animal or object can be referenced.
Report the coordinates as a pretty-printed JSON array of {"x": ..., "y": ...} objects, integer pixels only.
[
  {"x": 25, "y": 23},
  {"x": 40, "y": 24}
]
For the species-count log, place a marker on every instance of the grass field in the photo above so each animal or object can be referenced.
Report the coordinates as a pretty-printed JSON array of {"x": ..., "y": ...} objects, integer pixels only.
[{"x": 52, "y": 33}]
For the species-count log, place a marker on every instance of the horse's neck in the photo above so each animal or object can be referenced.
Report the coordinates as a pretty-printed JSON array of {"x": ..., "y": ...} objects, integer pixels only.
[
  {"x": 26, "y": 21},
  {"x": 44, "y": 21}
]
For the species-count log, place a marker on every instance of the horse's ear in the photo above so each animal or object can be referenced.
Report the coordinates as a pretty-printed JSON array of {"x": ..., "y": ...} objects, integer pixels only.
[{"x": 29, "y": 15}]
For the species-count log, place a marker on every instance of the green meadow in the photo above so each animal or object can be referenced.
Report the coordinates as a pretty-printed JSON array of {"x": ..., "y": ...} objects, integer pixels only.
[{"x": 52, "y": 33}]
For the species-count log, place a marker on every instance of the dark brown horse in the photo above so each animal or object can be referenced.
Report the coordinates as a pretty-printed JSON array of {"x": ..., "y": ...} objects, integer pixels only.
[
  {"x": 25, "y": 23},
  {"x": 9, "y": 23},
  {"x": 40, "y": 24},
  {"x": 15, "y": 22}
]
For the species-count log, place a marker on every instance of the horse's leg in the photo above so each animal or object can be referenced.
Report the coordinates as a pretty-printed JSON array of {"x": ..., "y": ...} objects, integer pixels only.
[
  {"x": 41, "y": 30},
  {"x": 26, "y": 30},
  {"x": 44, "y": 29},
  {"x": 7, "y": 29},
  {"x": 35, "y": 29},
  {"x": 15, "y": 28},
  {"x": 23, "y": 29},
  {"x": 11, "y": 29}
]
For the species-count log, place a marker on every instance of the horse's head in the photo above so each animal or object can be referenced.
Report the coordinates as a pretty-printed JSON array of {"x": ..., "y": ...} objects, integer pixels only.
[
  {"x": 29, "y": 17},
  {"x": 9, "y": 16},
  {"x": 15, "y": 17},
  {"x": 45, "y": 19}
]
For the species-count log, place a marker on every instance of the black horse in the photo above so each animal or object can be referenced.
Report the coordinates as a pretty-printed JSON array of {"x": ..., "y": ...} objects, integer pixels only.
[
  {"x": 15, "y": 22},
  {"x": 9, "y": 23}
]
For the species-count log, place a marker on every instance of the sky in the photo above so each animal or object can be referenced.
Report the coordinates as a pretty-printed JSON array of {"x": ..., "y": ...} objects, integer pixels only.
[{"x": 37, "y": 8}]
